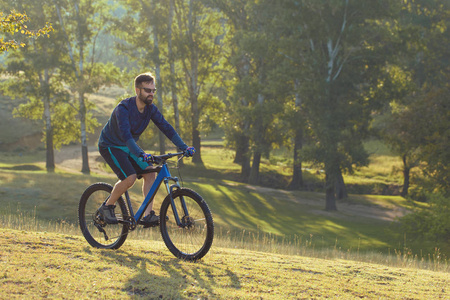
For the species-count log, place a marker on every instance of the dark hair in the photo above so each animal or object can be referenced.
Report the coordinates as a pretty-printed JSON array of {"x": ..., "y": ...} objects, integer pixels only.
[{"x": 144, "y": 77}]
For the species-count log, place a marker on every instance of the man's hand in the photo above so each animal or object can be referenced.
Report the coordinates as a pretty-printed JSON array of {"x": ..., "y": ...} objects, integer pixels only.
[
  {"x": 189, "y": 151},
  {"x": 147, "y": 157}
]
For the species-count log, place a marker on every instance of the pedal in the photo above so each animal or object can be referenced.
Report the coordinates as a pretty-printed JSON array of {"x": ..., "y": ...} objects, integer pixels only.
[{"x": 154, "y": 224}]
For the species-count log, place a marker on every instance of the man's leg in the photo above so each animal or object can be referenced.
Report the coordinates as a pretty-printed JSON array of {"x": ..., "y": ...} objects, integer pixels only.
[
  {"x": 120, "y": 188},
  {"x": 118, "y": 160}
]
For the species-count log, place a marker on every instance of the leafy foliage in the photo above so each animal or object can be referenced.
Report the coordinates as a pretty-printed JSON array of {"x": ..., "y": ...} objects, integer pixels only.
[
  {"x": 16, "y": 23},
  {"x": 416, "y": 123},
  {"x": 431, "y": 223}
]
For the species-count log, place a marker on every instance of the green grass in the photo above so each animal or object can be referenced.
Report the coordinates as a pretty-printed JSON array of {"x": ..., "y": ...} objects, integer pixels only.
[
  {"x": 54, "y": 265},
  {"x": 292, "y": 216},
  {"x": 287, "y": 216}
]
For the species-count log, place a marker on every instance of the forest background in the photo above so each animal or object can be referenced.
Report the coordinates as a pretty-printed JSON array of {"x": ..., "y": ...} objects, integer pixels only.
[{"x": 317, "y": 79}]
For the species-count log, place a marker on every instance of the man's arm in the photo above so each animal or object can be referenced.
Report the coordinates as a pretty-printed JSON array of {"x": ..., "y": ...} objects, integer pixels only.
[{"x": 159, "y": 120}]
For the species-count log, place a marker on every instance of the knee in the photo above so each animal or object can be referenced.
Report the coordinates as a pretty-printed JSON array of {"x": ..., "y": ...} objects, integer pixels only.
[
  {"x": 149, "y": 176},
  {"x": 129, "y": 181}
]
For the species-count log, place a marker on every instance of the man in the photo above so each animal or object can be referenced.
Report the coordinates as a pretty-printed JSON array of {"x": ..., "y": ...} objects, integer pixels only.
[{"x": 117, "y": 145}]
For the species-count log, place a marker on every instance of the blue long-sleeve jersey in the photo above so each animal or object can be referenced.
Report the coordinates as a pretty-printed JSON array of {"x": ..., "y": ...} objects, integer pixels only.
[{"x": 126, "y": 125}]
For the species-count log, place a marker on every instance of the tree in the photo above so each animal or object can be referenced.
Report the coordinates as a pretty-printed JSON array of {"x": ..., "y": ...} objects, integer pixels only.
[
  {"x": 399, "y": 134},
  {"x": 80, "y": 22},
  {"x": 172, "y": 78},
  {"x": 150, "y": 22},
  {"x": 236, "y": 124},
  {"x": 35, "y": 75},
  {"x": 199, "y": 51},
  {"x": 418, "y": 77},
  {"x": 296, "y": 122},
  {"x": 427, "y": 122},
  {"x": 424, "y": 114},
  {"x": 255, "y": 103},
  {"x": 340, "y": 57},
  {"x": 16, "y": 23},
  {"x": 181, "y": 41}
]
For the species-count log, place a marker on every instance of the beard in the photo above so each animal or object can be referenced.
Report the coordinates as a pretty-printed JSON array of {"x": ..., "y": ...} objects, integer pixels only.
[{"x": 148, "y": 100}]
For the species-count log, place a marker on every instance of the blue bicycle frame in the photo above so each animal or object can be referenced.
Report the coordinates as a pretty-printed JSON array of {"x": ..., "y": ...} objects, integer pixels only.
[{"x": 163, "y": 176}]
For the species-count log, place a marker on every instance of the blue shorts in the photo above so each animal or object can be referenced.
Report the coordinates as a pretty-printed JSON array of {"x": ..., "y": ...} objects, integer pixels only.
[{"x": 122, "y": 161}]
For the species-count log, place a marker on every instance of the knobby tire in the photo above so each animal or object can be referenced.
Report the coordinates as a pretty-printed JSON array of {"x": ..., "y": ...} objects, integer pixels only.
[
  {"x": 193, "y": 240},
  {"x": 90, "y": 201}
]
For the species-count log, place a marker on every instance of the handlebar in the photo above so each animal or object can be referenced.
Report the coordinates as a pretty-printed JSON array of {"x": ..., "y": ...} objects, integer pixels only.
[{"x": 163, "y": 157}]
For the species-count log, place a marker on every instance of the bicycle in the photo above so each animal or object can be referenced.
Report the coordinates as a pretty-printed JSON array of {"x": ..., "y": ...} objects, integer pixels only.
[{"x": 186, "y": 223}]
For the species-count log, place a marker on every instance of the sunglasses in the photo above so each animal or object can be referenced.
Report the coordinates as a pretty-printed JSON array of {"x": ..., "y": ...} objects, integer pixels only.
[{"x": 148, "y": 91}]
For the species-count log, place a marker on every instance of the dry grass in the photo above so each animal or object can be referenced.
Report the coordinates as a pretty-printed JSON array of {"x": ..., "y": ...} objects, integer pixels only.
[
  {"x": 249, "y": 241},
  {"x": 54, "y": 265}
]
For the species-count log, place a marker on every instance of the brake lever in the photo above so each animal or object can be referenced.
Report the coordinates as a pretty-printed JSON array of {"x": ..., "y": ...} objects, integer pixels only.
[{"x": 181, "y": 157}]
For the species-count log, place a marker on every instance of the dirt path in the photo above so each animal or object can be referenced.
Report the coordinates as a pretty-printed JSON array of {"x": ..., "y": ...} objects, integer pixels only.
[{"x": 69, "y": 158}]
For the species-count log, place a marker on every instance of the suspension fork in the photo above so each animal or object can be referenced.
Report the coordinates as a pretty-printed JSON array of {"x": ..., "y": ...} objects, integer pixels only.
[{"x": 170, "y": 191}]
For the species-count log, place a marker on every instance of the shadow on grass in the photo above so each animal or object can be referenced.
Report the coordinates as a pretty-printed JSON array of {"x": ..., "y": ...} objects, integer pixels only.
[
  {"x": 159, "y": 277},
  {"x": 23, "y": 168}
]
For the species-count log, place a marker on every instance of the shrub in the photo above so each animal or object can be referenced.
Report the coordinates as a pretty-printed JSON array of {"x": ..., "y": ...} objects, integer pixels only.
[{"x": 431, "y": 223}]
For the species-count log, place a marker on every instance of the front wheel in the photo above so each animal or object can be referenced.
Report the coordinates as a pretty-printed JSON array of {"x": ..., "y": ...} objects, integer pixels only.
[
  {"x": 193, "y": 237},
  {"x": 97, "y": 232}
]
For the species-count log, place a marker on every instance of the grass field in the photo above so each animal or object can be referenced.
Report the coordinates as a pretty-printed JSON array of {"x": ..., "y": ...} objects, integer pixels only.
[
  {"x": 60, "y": 266},
  {"x": 251, "y": 216},
  {"x": 236, "y": 207}
]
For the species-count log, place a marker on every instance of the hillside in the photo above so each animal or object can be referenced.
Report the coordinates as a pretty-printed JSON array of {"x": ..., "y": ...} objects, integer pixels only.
[
  {"x": 51, "y": 265},
  {"x": 363, "y": 223}
]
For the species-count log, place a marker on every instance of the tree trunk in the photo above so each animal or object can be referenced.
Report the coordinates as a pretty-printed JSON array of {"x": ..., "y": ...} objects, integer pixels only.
[
  {"x": 331, "y": 178},
  {"x": 330, "y": 198},
  {"x": 242, "y": 145},
  {"x": 50, "y": 161},
  {"x": 172, "y": 78},
  {"x": 406, "y": 176},
  {"x": 50, "y": 157},
  {"x": 196, "y": 140},
  {"x": 297, "y": 176},
  {"x": 254, "y": 172},
  {"x": 162, "y": 137},
  {"x": 259, "y": 141},
  {"x": 243, "y": 155},
  {"x": 84, "y": 147},
  {"x": 194, "y": 88},
  {"x": 341, "y": 190},
  {"x": 245, "y": 170}
]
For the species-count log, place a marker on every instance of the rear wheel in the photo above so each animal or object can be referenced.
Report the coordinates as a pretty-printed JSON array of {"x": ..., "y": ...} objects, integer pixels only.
[
  {"x": 192, "y": 239},
  {"x": 97, "y": 232}
]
